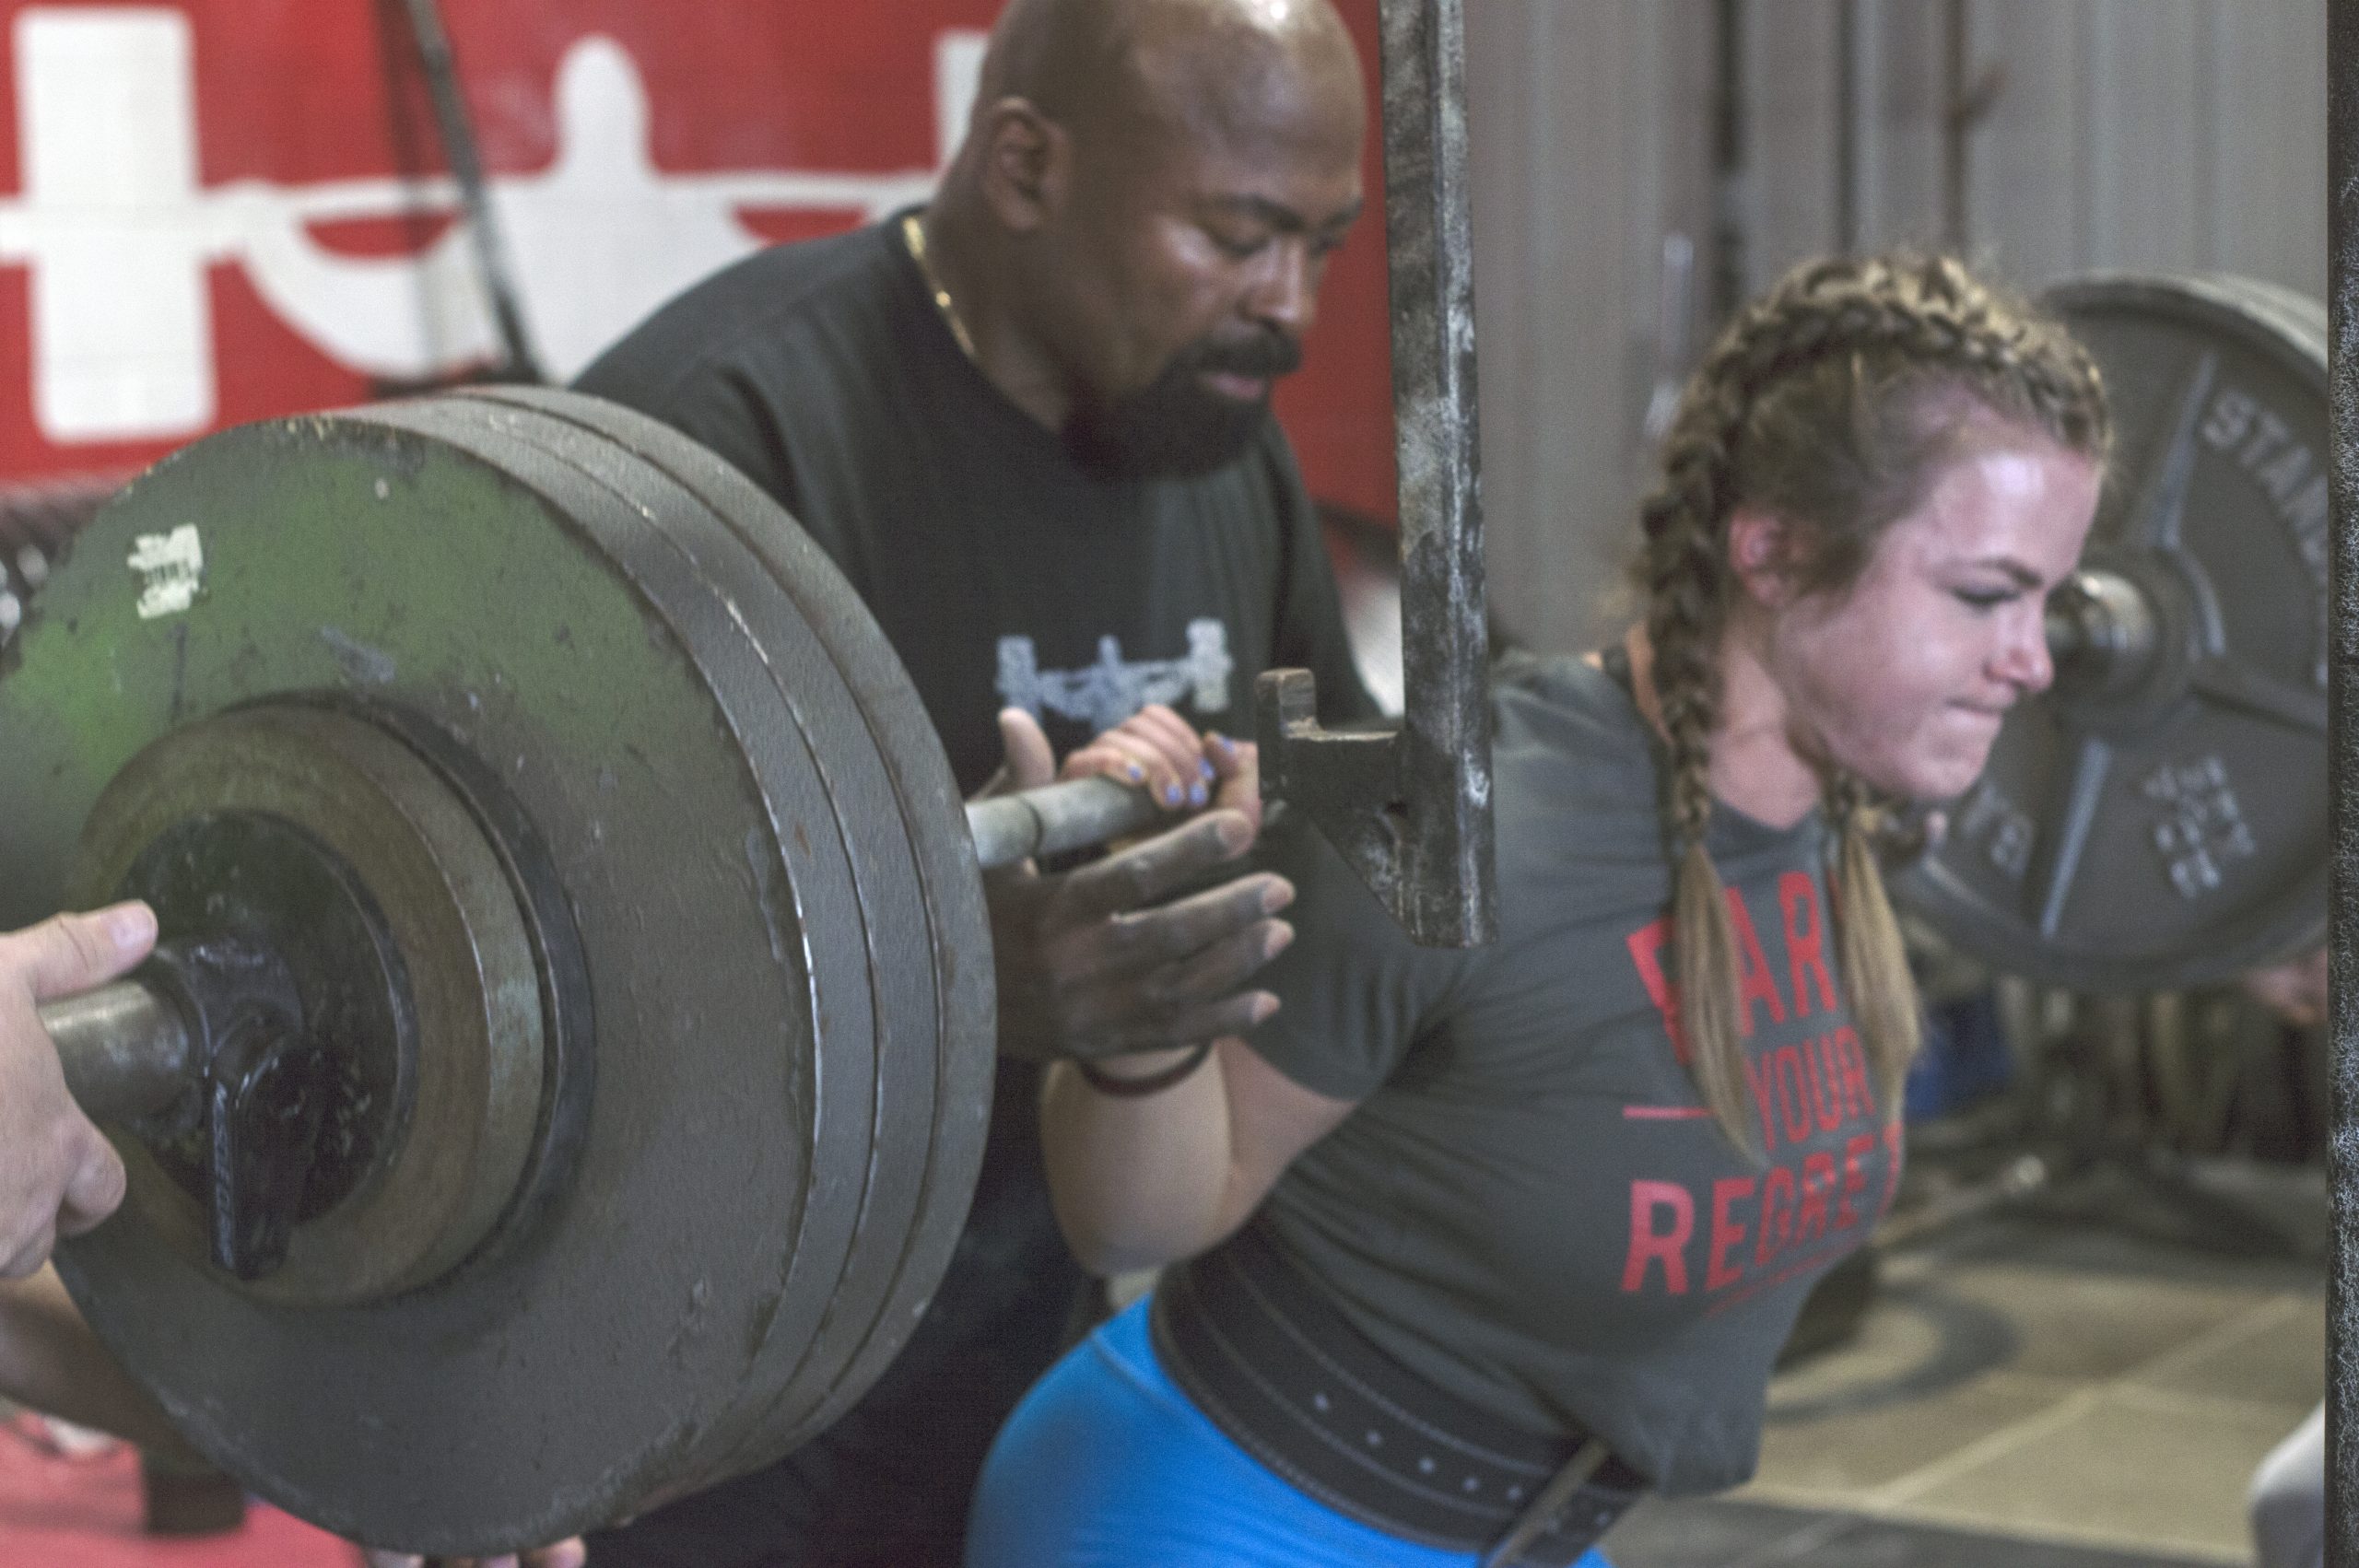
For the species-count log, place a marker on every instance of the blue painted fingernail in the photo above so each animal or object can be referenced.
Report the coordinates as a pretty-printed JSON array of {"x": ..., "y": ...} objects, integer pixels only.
[
  {"x": 1171, "y": 795},
  {"x": 1206, "y": 769},
  {"x": 1137, "y": 773},
  {"x": 1198, "y": 794}
]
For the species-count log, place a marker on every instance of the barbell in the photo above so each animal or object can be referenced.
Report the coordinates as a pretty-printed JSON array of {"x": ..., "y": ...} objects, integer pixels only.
[
  {"x": 567, "y": 1067},
  {"x": 568, "y": 1062}
]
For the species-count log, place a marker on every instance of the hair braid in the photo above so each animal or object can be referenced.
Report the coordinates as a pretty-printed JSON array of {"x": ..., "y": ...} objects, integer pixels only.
[{"x": 1832, "y": 401}]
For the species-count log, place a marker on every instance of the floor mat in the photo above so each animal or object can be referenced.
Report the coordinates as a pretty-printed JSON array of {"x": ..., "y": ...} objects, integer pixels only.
[
  {"x": 85, "y": 1513},
  {"x": 2053, "y": 1388},
  {"x": 1755, "y": 1534}
]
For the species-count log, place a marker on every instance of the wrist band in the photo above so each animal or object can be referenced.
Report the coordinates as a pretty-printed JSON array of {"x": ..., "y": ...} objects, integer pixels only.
[{"x": 1151, "y": 1083}]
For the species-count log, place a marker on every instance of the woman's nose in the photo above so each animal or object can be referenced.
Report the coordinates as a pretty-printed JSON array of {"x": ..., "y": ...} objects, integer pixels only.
[{"x": 2022, "y": 660}]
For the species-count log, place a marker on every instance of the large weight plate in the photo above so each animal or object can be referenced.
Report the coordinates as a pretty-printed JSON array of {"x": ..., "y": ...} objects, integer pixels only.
[
  {"x": 686, "y": 564},
  {"x": 565, "y": 627},
  {"x": 2177, "y": 837},
  {"x": 960, "y": 995},
  {"x": 929, "y": 1091}
]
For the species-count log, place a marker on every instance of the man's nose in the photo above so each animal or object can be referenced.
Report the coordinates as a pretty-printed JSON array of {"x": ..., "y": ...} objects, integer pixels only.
[{"x": 1285, "y": 296}]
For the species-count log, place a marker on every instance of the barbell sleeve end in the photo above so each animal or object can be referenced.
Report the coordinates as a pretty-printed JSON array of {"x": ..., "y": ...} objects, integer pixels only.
[{"x": 125, "y": 1048}]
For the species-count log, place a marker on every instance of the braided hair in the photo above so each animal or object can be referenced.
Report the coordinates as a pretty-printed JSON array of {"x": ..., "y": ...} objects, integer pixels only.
[{"x": 1833, "y": 403}]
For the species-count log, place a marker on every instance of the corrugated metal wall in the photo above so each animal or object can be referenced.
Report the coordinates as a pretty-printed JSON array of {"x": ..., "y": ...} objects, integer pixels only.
[{"x": 2147, "y": 135}]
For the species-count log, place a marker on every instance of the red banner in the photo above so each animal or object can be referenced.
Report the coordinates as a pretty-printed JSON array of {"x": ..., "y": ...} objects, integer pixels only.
[{"x": 221, "y": 210}]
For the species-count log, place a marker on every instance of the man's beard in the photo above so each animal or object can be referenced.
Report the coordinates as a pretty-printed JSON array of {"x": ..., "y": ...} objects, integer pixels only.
[{"x": 1175, "y": 426}]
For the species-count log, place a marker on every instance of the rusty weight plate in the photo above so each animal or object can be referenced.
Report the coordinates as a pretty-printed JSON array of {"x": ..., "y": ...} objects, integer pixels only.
[
  {"x": 554, "y": 627},
  {"x": 2172, "y": 830}
]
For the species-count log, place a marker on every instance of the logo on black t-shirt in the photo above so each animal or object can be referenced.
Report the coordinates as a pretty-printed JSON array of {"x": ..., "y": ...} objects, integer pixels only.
[{"x": 1103, "y": 694}]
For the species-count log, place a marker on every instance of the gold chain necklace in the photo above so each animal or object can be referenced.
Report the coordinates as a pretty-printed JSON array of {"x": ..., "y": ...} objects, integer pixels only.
[{"x": 913, "y": 236}]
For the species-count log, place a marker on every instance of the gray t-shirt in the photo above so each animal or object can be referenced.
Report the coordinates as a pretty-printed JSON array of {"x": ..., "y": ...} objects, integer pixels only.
[{"x": 1529, "y": 1207}]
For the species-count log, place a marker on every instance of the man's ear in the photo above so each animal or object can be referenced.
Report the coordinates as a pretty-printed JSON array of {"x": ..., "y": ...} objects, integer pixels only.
[
  {"x": 1027, "y": 163},
  {"x": 1761, "y": 547}
]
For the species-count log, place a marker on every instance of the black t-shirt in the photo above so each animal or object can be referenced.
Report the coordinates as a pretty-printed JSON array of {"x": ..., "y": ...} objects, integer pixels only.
[
  {"x": 1002, "y": 574},
  {"x": 1529, "y": 1207}
]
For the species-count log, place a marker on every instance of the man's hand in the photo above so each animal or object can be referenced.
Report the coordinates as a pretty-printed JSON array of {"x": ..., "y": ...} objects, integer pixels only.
[
  {"x": 1086, "y": 967},
  {"x": 564, "y": 1554},
  {"x": 58, "y": 1173},
  {"x": 2295, "y": 990}
]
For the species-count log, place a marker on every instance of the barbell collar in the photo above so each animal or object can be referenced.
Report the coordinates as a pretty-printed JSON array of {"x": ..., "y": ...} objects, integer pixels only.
[
  {"x": 126, "y": 1048},
  {"x": 2104, "y": 633}
]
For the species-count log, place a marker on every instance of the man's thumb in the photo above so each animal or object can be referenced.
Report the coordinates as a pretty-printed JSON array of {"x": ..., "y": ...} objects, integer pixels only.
[
  {"x": 74, "y": 952},
  {"x": 1029, "y": 762}
]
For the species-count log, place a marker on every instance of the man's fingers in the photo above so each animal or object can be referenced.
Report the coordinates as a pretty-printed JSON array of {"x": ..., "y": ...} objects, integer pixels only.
[
  {"x": 1233, "y": 1015},
  {"x": 1136, "y": 943},
  {"x": 97, "y": 1187},
  {"x": 70, "y": 954},
  {"x": 27, "y": 1260},
  {"x": 1221, "y": 968},
  {"x": 1156, "y": 869},
  {"x": 1030, "y": 763},
  {"x": 564, "y": 1554}
]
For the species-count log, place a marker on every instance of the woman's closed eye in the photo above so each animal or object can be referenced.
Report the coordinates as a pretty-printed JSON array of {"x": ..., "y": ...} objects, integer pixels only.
[{"x": 1987, "y": 598}]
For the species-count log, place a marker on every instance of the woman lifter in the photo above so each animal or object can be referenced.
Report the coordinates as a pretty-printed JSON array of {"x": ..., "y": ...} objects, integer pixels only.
[{"x": 1472, "y": 1248}]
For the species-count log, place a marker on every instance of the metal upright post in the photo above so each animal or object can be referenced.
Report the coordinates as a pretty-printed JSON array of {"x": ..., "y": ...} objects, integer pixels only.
[{"x": 1410, "y": 808}]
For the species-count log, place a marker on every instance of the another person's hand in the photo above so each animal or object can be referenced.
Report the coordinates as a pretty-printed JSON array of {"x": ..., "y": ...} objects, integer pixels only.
[
  {"x": 2294, "y": 990},
  {"x": 564, "y": 1554},
  {"x": 1088, "y": 968},
  {"x": 58, "y": 1173},
  {"x": 1161, "y": 753}
]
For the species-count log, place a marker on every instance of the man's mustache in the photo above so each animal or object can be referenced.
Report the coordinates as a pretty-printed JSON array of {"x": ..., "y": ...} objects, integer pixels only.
[{"x": 1264, "y": 356}]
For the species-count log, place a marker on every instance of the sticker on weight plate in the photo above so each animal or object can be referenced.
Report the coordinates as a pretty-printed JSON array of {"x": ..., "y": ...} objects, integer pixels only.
[
  {"x": 2001, "y": 828},
  {"x": 171, "y": 571},
  {"x": 2202, "y": 828}
]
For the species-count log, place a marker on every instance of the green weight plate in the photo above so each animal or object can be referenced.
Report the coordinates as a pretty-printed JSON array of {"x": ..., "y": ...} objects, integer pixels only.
[
  {"x": 2175, "y": 833},
  {"x": 569, "y": 643}
]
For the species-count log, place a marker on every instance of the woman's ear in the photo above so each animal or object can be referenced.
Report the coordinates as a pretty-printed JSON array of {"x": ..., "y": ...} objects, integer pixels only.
[{"x": 1761, "y": 556}]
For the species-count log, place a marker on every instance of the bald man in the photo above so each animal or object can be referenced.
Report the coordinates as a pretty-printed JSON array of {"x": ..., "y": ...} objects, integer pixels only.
[{"x": 1031, "y": 424}]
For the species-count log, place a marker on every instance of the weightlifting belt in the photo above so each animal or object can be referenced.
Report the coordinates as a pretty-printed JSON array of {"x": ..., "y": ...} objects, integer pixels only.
[{"x": 1271, "y": 1361}]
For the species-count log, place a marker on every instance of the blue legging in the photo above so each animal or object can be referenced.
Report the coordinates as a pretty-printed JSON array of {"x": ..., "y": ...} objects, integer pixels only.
[{"x": 1107, "y": 1463}]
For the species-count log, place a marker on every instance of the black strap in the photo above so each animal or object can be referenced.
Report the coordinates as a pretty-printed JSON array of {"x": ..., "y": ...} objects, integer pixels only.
[
  {"x": 1262, "y": 1352},
  {"x": 1121, "y": 1088}
]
